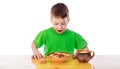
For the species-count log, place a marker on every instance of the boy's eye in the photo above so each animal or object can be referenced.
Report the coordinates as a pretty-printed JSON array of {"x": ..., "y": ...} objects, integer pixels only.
[
  {"x": 63, "y": 23},
  {"x": 56, "y": 23}
]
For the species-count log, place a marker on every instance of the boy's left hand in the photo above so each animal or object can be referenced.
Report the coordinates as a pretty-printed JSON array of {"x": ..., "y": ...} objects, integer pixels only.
[{"x": 74, "y": 56}]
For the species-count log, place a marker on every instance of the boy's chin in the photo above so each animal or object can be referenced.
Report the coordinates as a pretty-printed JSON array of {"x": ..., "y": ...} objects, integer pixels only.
[{"x": 59, "y": 32}]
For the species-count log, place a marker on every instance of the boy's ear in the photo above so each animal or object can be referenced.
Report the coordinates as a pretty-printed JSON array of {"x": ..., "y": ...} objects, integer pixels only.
[
  {"x": 68, "y": 19},
  {"x": 51, "y": 19}
]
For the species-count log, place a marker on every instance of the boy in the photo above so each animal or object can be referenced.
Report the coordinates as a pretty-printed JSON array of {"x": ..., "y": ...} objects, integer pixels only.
[{"x": 58, "y": 38}]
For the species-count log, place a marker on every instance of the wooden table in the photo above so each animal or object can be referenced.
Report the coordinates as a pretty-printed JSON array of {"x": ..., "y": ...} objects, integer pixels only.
[
  {"x": 71, "y": 64},
  {"x": 24, "y": 62}
]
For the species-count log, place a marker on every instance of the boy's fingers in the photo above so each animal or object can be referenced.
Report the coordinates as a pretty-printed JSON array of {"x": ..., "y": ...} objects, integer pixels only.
[
  {"x": 74, "y": 56},
  {"x": 32, "y": 57},
  {"x": 39, "y": 56},
  {"x": 35, "y": 57}
]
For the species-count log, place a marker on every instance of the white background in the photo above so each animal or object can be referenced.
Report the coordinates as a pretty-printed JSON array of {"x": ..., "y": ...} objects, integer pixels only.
[{"x": 96, "y": 20}]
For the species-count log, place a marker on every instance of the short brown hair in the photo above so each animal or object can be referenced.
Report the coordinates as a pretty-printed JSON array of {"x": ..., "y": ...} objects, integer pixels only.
[{"x": 60, "y": 10}]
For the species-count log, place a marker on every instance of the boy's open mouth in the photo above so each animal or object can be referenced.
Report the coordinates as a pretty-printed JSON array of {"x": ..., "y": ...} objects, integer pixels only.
[{"x": 59, "y": 30}]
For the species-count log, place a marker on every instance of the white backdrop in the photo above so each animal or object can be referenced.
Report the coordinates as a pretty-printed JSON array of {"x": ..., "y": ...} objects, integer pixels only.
[{"x": 96, "y": 20}]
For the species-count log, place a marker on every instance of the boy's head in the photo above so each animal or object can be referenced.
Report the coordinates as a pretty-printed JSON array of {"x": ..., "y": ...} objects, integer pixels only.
[{"x": 60, "y": 17}]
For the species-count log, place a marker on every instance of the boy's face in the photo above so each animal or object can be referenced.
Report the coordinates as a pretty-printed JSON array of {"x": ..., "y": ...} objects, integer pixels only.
[{"x": 59, "y": 24}]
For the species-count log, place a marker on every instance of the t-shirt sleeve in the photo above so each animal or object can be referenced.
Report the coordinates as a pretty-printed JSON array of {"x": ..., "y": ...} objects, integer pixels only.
[
  {"x": 40, "y": 39},
  {"x": 80, "y": 42}
]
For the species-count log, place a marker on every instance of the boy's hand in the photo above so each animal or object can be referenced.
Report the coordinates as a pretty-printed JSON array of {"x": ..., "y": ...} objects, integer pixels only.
[
  {"x": 74, "y": 56},
  {"x": 37, "y": 55}
]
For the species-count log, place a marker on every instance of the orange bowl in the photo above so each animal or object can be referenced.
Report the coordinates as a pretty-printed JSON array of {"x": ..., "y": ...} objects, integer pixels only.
[{"x": 58, "y": 57}]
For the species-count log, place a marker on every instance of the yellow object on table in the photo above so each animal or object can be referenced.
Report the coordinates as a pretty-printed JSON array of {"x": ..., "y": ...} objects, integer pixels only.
[{"x": 70, "y": 64}]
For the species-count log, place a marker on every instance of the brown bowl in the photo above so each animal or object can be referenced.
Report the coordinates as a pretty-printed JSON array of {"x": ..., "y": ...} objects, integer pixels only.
[
  {"x": 84, "y": 56},
  {"x": 58, "y": 57}
]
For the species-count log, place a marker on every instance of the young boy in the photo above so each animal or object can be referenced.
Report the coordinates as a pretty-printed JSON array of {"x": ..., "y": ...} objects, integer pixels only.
[{"x": 58, "y": 38}]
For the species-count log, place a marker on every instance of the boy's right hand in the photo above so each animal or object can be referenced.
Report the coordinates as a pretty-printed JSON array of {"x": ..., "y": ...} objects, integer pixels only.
[{"x": 37, "y": 55}]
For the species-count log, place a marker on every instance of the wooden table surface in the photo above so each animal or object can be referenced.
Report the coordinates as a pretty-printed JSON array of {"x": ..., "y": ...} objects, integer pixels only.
[
  {"x": 70, "y": 64},
  {"x": 24, "y": 62}
]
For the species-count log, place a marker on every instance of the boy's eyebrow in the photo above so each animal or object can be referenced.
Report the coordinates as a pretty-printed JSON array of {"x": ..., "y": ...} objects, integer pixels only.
[{"x": 61, "y": 22}]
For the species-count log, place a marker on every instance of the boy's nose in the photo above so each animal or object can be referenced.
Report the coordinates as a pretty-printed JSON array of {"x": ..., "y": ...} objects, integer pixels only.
[{"x": 59, "y": 26}]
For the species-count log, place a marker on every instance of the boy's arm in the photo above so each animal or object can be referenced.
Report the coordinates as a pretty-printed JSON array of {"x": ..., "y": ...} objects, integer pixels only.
[
  {"x": 86, "y": 48},
  {"x": 36, "y": 53}
]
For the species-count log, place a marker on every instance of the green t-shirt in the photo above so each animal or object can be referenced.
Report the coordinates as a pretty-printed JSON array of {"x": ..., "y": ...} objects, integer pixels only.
[{"x": 54, "y": 42}]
